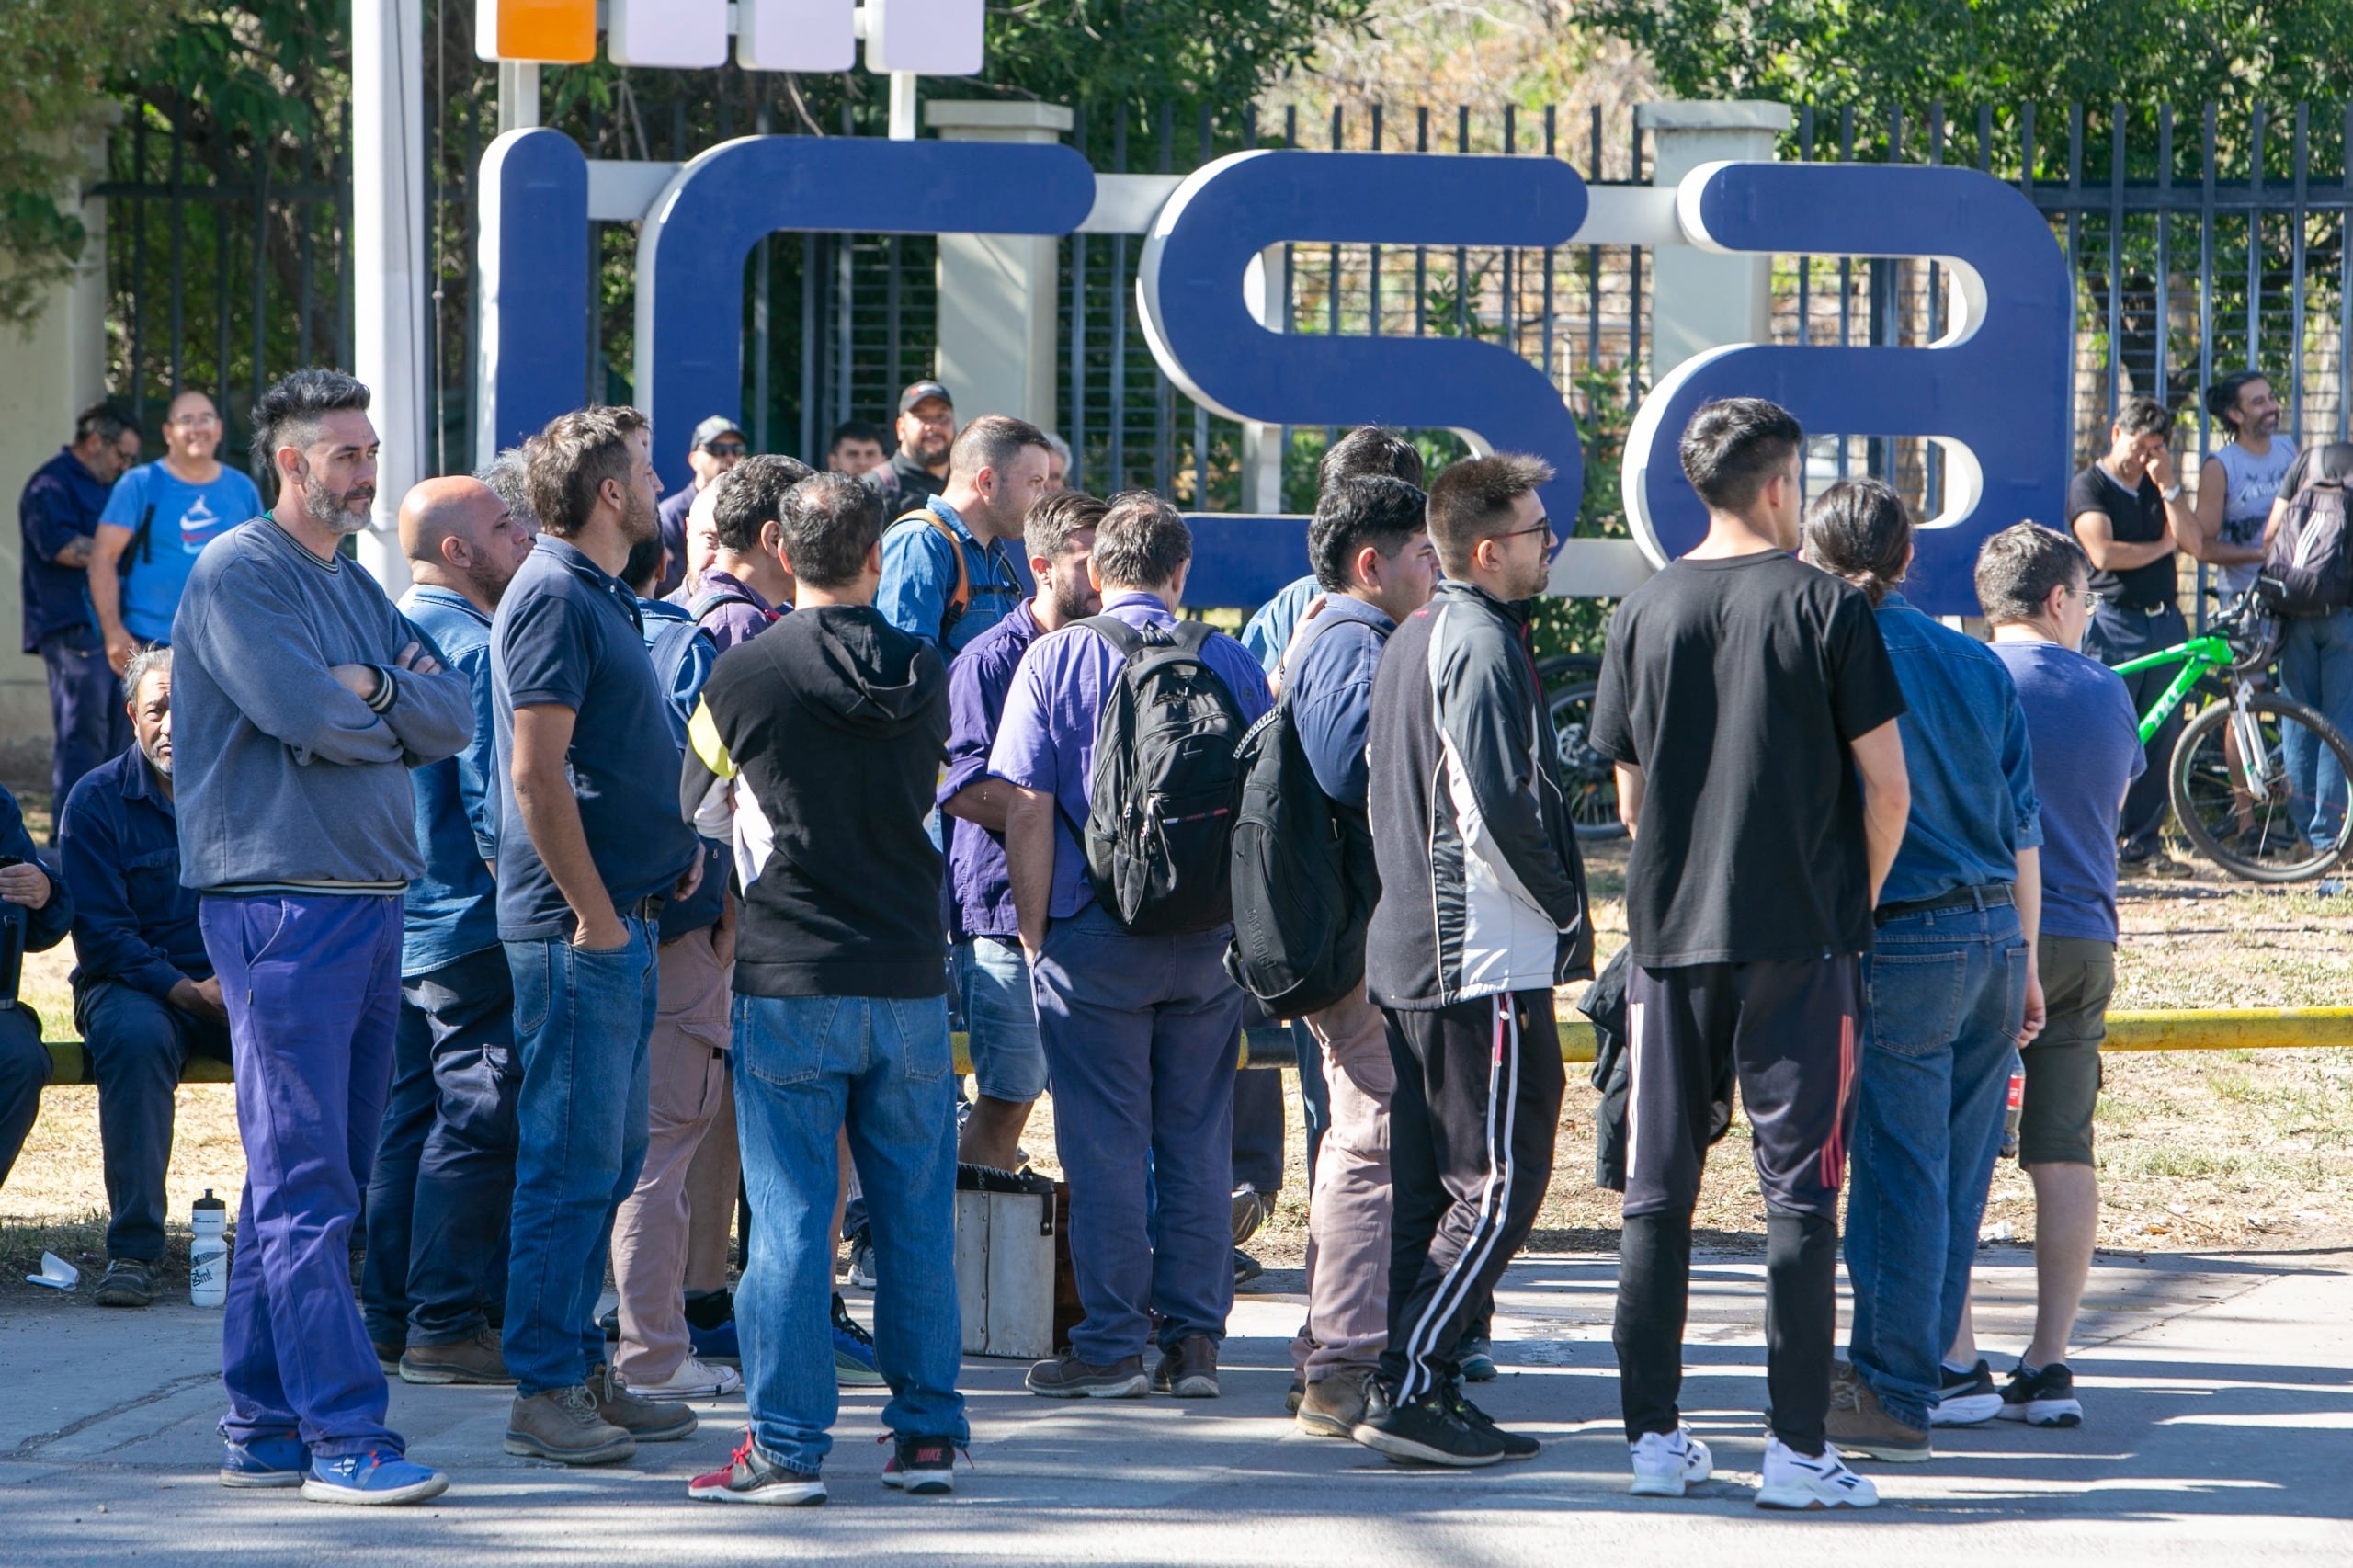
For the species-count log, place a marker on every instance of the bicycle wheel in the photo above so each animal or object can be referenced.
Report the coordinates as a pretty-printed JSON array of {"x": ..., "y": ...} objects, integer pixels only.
[
  {"x": 1588, "y": 776},
  {"x": 2265, "y": 799}
]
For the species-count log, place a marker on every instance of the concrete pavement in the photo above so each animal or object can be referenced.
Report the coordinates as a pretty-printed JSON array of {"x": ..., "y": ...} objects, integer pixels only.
[{"x": 2219, "y": 1392}]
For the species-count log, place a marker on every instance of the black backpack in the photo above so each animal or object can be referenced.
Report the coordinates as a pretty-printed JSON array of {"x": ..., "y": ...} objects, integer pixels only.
[
  {"x": 1160, "y": 817},
  {"x": 2308, "y": 570},
  {"x": 1304, "y": 882}
]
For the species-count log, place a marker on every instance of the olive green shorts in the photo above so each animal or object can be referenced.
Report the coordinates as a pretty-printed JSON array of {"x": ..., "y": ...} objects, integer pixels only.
[{"x": 2063, "y": 1063}]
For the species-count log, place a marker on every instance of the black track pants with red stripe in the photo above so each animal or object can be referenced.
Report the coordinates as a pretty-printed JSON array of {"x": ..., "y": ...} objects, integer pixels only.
[
  {"x": 1469, "y": 1154},
  {"x": 1790, "y": 1031}
]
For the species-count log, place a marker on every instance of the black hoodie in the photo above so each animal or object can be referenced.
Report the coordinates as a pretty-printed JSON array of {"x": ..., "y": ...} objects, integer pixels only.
[{"x": 836, "y": 725}]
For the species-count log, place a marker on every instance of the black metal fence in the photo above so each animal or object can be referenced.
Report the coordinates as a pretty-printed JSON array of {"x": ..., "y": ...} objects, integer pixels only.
[{"x": 2199, "y": 242}]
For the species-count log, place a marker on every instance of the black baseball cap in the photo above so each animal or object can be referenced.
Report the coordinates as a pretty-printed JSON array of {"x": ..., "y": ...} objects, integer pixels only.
[
  {"x": 920, "y": 391},
  {"x": 712, "y": 429}
]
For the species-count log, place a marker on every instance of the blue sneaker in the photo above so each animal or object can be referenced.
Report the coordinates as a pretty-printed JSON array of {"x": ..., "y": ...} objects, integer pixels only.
[
  {"x": 371, "y": 1480},
  {"x": 718, "y": 1344},
  {"x": 278, "y": 1460},
  {"x": 853, "y": 1351}
]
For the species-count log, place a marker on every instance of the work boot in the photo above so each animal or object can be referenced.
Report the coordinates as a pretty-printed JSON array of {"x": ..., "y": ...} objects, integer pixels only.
[
  {"x": 647, "y": 1420},
  {"x": 1188, "y": 1368},
  {"x": 1858, "y": 1424},
  {"x": 1067, "y": 1377},
  {"x": 563, "y": 1425},
  {"x": 1331, "y": 1406},
  {"x": 474, "y": 1359}
]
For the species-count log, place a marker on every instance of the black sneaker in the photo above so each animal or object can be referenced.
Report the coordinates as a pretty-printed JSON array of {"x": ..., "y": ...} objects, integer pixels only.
[
  {"x": 1246, "y": 1268},
  {"x": 1476, "y": 1357},
  {"x": 2043, "y": 1398},
  {"x": 1516, "y": 1445},
  {"x": 1427, "y": 1431},
  {"x": 128, "y": 1282},
  {"x": 1966, "y": 1399},
  {"x": 921, "y": 1467}
]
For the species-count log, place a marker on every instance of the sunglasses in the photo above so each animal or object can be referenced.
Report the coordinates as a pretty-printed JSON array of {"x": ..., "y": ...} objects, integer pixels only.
[{"x": 724, "y": 448}]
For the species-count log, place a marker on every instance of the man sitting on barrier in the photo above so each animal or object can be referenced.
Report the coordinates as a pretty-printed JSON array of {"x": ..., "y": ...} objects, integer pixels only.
[
  {"x": 144, "y": 993},
  {"x": 36, "y": 905}
]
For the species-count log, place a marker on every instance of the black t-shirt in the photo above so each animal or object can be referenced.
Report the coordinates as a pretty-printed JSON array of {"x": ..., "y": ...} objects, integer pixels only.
[
  {"x": 1736, "y": 684},
  {"x": 2136, "y": 517}
]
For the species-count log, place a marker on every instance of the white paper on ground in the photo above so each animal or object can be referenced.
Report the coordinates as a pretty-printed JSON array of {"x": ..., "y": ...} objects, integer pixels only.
[{"x": 55, "y": 1273}]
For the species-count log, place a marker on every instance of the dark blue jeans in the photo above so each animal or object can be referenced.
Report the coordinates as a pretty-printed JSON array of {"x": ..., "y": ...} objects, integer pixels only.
[
  {"x": 583, "y": 1020},
  {"x": 312, "y": 987},
  {"x": 139, "y": 1044},
  {"x": 445, "y": 1171},
  {"x": 24, "y": 1069},
  {"x": 807, "y": 1069},
  {"x": 1945, "y": 997},
  {"x": 86, "y": 710},
  {"x": 1138, "y": 1034}
]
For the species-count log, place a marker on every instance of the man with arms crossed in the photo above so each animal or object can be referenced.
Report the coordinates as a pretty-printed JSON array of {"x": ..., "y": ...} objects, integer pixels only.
[
  {"x": 589, "y": 848},
  {"x": 300, "y": 700},
  {"x": 1750, "y": 707},
  {"x": 2086, "y": 745},
  {"x": 1482, "y": 912},
  {"x": 991, "y": 977}
]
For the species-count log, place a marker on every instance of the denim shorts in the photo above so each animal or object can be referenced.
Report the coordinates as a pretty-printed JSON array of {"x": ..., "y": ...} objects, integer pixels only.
[{"x": 992, "y": 990}]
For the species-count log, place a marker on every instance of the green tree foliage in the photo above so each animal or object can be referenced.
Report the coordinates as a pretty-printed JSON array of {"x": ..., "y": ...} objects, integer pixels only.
[
  {"x": 1222, "y": 52},
  {"x": 2233, "y": 53},
  {"x": 56, "y": 60}
]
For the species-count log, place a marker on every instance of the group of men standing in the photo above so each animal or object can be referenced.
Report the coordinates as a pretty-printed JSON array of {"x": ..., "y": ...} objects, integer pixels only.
[{"x": 593, "y": 890}]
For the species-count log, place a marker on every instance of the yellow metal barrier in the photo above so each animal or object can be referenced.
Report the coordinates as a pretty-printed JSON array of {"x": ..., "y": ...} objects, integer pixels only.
[{"x": 2211, "y": 1028}]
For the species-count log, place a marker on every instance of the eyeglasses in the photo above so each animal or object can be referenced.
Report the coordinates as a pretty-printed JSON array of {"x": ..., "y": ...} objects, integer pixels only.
[
  {"x": 1541, "y": 525},
  {"x": 2091, "y": 600},
  {"x": 194, "y": 421},
  {"x": 724, "y": 448}
]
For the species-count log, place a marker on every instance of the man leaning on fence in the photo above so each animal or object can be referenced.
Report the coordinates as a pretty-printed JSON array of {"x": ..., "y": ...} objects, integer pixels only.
[{"x": 301, "y": 699}]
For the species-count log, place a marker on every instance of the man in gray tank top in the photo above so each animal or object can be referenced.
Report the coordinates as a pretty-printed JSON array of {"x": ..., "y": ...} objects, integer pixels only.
[{"x": 2237, "y": 485}]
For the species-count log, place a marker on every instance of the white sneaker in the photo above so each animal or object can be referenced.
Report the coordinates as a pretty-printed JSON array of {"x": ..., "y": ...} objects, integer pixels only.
[
  {"x": 1794, "y": 1481},
  {"x": 693, "y": 1380},
  {"x": 1665, "y": 1462}
]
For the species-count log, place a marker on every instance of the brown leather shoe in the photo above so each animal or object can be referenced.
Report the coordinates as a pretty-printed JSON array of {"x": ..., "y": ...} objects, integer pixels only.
[
  {"x": 647, "y": 1420},
  {"x": 1188, "y": 1370},
  {"x": 1334, "y": 1406},
  {"x": 474, "y": 1361},
  {"x": 1067, "y": 1377},
  {"x": 563, "y": 1425},
  {"x": 1860, "y": 1427}
]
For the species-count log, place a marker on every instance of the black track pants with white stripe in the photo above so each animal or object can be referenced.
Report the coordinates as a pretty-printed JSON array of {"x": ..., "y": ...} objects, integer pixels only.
[{"x": 1469, "y": 1153}]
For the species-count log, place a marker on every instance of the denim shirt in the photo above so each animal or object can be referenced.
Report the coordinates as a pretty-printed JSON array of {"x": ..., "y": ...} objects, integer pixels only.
[
  {"x": 979, "y": 882},
  {"x": 60, "y": 504},
  {"x": 1973, "y": 804},
  {"x": 452, "y": 907},
  {"x": 120, "y": 843},
  {"x": 919, "y": 578}
]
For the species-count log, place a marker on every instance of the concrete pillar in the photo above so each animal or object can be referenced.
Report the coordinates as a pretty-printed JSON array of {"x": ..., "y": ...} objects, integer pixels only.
[
  {"x": 1703, "y": 300},
  {"x": 997, "y": 292},
  {"x": 50, "y": 369},
  {"x": 388, "y": 345}
]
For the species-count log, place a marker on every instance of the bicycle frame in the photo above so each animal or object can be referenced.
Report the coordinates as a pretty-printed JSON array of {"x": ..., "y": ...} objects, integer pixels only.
[{"x": 2199, "y": 657}]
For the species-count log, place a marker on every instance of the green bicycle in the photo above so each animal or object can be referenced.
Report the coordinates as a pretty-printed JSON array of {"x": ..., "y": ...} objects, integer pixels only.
[{"x": 2252, "y": 782}]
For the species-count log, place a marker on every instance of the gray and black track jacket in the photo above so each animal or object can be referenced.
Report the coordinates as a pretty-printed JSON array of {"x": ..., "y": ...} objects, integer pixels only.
[{"x": 1482, "y": 890}]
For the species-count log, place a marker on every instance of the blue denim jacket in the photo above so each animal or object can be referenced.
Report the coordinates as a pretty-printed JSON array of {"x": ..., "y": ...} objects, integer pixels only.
[
  {"x": 452, "y": 907},
  {"x": 1974, "y": 805},
  {"x": 119, "y": 845}
]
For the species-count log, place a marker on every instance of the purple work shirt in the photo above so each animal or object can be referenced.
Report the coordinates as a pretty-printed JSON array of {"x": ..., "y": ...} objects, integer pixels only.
[
  {"x": 732, "y": 622},
  {"x": 979, "y": 882},
  {"x": 1046, "y": 738}
]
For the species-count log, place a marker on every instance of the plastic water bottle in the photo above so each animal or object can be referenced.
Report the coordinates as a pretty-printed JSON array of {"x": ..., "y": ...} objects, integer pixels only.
[{"x": 208, "y": 1256}]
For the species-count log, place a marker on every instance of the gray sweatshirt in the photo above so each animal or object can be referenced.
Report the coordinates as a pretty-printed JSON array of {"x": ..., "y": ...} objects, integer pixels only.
[{"x": 282, "y": 777}]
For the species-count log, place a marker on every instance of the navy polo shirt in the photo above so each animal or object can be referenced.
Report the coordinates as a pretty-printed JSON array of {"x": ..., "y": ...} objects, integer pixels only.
[
  {"x": 60, "y": 504},
  {"x": 568, "y": 635}
]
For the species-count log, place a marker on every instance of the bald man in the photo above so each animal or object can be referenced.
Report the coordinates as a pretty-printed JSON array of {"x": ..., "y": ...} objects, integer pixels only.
[{"x": 445, "y": 1171}]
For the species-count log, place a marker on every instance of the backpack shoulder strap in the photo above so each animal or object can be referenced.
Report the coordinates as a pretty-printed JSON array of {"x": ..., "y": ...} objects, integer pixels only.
[
  {"x": 702, "y": 605},
  {"x": 1192, "y": 636},
  {"x": 962, "y": 599},
  {"x": 1117, "y": 632}
]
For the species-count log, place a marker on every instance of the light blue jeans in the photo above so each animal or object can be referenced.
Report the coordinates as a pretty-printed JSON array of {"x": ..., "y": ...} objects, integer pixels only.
[
  {"x": 2316, "y": 667},
  {"x": 805, "y": 1067},
  {"x": 582, "y": 1023},
  {"x": 1946, "y": 997},
  {"x": 992, "y": 981}
]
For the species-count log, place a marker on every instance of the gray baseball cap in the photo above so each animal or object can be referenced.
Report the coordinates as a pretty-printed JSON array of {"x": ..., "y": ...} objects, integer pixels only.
[{"x": 712, "y": 429}]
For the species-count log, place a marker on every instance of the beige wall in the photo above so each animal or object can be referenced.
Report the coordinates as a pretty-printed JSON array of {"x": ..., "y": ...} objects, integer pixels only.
[{"x": 48, "y": 372}]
